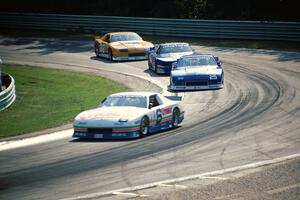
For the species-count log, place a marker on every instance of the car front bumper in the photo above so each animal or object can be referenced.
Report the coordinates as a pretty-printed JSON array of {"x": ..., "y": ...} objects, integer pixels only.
[
  {"x": 106, "y": 133},
  {"x": 196, "y": 87},
  {"x": 95, "y": 135}
]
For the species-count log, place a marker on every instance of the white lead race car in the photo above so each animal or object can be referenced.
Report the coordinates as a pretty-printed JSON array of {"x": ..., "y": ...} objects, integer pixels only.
[{"x": 129, "y": 115}]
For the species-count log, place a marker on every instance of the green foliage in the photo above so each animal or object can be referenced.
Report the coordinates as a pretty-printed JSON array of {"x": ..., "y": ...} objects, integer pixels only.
[
  {"x": 49, "y": 98},
  {"x": 282, "y": 10}
]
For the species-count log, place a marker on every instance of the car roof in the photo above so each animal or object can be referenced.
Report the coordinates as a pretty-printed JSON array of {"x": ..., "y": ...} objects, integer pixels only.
[
  {"x": 197, "y": 55},
  {"x": 173, "y": 43},
  {"x": 134, "y": 94},
  {"x": 124, "y": 33}
]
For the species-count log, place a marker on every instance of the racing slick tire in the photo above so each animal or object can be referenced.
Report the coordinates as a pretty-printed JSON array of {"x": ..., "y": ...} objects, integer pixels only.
[
  {"x": 149, "y": 63},
  {"x": 97, "y": 49},
  {"x": 155, "y": 69},
  {"x": 175, "y": 118},
  {"x": 144, "y": 126}
]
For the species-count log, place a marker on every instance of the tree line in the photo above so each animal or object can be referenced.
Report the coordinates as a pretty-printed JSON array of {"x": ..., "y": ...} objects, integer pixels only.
[{"x": 266, "y": 10}]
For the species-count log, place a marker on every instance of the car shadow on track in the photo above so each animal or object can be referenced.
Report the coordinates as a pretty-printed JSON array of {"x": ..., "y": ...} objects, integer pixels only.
[
  {"x": 191, "y": 91},
  {"x": 105, "y": 60},
  {"x": 153, "y": 74}
]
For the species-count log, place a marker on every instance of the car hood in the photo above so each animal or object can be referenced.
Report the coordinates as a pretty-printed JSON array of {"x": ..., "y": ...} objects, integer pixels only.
[
  {"x": 171, "y": 57},
  {"x": 111, "y": 113},
  {"x": 197, "y": 70},
  {"x": 108, "y": 116},
  {"x": 131, "y": 44}
]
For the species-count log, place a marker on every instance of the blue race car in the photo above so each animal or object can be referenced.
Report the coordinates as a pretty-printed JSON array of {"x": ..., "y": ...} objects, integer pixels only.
[
  {"x": 161, "y": 59},
  {"x": 197, "y": 72}
]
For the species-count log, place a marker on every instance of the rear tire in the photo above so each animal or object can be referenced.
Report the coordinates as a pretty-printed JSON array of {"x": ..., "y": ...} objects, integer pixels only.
[
  {"x": 155, "y": 68},
  {"x": 144, "y": 126},
  {"x": 97, "y": 49},
  {"x": 175, "y": 118},
  {"x": 149, "y": 64}
]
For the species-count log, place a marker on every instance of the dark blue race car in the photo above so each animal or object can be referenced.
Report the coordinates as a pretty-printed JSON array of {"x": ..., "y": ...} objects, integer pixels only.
[
  {"x": 197, "y": 72},
  {"x": 161, "y": 58}
]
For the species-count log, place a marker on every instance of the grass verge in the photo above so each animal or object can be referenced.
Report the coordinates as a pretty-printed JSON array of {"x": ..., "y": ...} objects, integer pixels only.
[
  {"x": 254, "y": 44},
  {"x": 48, "y": 98}
]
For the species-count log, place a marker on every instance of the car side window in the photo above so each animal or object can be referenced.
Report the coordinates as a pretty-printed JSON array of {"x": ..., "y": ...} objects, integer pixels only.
[{"x": 153, "y": 101}]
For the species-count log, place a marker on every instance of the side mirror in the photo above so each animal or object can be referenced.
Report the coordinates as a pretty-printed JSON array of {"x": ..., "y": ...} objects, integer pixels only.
[
  {"x": 151, "y": 105},
  {"x": 103, "y": 100},
  {"x": 174, "y": 65},
  {"x": 220, "y": 63},
  {"x": 100, "y": 105}
]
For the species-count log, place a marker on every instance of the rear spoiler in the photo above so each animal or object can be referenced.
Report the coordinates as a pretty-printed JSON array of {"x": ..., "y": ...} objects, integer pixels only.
[{"x": 174, "y": 98}]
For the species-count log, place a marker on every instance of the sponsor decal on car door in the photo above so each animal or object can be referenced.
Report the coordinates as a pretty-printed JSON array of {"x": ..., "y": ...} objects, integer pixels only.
[
  {"x": 163, "y": 115},
  {"x": 158, "y": 116}
]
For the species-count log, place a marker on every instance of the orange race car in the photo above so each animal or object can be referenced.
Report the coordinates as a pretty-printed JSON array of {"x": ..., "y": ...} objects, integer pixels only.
[{"x": 122, "y": 46}]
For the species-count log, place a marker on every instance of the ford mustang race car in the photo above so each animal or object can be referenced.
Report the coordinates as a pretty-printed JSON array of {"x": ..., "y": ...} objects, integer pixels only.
[
  {"x": 129, "y": 115},
  {"x": 197, "y": 72},
  {"x": 122, "y": 46},
  {"x": 161, "y": 59}
]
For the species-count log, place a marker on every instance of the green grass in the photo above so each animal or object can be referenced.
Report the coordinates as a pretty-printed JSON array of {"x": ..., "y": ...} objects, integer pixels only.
[
  {"x": 255, "y": 44},
  {"x": 49, "y": 98}
]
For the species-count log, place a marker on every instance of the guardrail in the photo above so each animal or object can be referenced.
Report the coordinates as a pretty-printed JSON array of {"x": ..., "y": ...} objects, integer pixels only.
[
  {"x": 225, "y": 29},
  {"x": 7, "y": 96}
]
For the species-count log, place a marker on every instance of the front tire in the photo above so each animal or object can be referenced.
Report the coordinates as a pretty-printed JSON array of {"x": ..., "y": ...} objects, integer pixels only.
[
  {"x": 97, "y": 49},
  {"x": 144, "y": 126},
  {"x": 175, "y": 118},
  {"x": 155, "y": 69}
]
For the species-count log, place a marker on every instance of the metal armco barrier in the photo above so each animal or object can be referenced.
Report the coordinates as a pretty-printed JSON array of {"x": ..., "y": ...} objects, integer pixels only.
[
  {"x": 7, "y": 96},
  {"x": 231, "y": 29}
]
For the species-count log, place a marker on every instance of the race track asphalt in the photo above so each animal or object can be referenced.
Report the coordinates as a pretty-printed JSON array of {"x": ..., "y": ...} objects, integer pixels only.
[{"x": 254, "y": 118}]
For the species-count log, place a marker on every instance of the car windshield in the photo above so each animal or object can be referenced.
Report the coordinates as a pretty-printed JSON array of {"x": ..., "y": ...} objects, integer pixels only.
[
  {"x": 174, "y": 48},
  {"x": 125, "y": 37},
  {"x": 133, "y": 101},
  {"x": 198, "y": 61}
]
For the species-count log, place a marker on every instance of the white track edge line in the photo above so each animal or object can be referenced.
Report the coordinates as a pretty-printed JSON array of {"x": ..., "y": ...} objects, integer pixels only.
[{"x": 213, "y": 173}]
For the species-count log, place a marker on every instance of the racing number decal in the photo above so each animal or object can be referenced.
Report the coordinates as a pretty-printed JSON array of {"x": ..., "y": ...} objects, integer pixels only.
[{"x": 158, "y": 116}]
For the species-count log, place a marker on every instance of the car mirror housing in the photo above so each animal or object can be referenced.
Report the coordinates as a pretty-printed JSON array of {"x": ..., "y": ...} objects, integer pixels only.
[
  {"x": 174, "y": 65},
  {"x": 151, "y": 105},
  {"x": 220, "y": 63}
]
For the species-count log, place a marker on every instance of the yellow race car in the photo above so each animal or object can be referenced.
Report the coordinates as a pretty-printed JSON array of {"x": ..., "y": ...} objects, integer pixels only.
[{"x": 122, "y": 46}]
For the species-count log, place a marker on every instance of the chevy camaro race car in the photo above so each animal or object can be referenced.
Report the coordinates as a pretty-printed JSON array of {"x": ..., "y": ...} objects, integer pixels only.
[
  {"x": 122, "y": 46},
  {"x": 197, "y": 72},
  {"x": 129, "y": 115},
  {"x": 161, "y": 59}
]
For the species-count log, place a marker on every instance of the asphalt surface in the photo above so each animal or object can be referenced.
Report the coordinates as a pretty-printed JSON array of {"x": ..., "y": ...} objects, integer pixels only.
[
  {"x": 254, "y": 118},
  {"x": 262, "y": 183}
]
